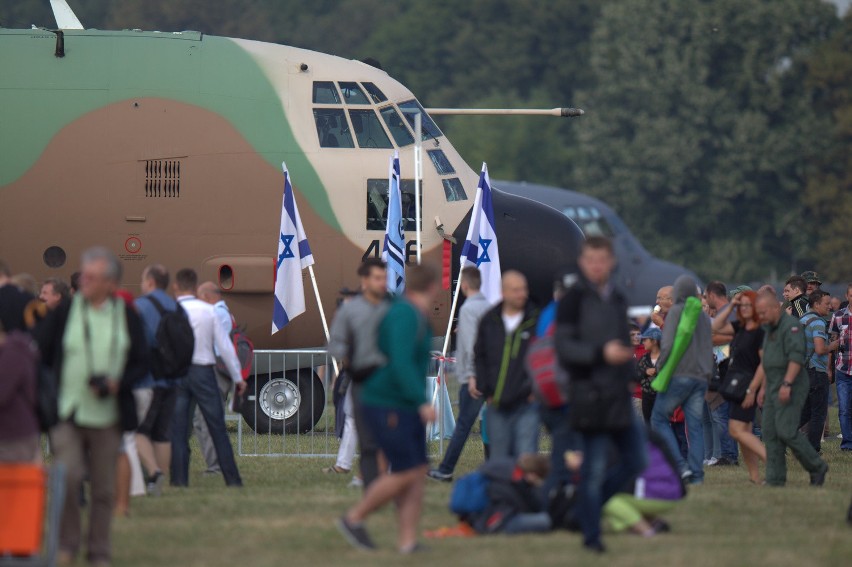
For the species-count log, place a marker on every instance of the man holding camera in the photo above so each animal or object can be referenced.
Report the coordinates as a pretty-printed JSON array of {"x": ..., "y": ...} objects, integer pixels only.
[{"x": 96, "y": 346}]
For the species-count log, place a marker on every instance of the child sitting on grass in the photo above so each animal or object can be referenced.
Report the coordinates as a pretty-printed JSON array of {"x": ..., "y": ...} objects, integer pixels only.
[{"x": 514, "y": 503}]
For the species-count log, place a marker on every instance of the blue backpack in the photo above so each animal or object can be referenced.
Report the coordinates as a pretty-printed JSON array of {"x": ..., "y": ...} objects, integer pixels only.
[{"x": 470, "y": 494}]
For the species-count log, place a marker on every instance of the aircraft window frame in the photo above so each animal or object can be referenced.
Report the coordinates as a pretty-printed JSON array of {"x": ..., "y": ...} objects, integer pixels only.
[
  {"x": 374, "y": 92},
  {"x": 395, "y": 129},
  {"x": 356, "y": 90},
  {"x": 377, "y": 196},
  {"x": 373, "y": 127},
  {"x": 590, "y": 220},
  {"x": 429, "y": 129},
  {"x": 343, "y": 130},
  {"x": 441, "y": 162},
  {"x": 332, "y": 89},
  {"x": 454, "y": 190}
]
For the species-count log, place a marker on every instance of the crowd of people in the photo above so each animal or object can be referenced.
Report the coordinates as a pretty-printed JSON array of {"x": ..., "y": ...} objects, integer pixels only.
[
  {"x": 636, "y": 410},
  {"x": 710, "y": 378},
  {"x": 127, "y": 374}
]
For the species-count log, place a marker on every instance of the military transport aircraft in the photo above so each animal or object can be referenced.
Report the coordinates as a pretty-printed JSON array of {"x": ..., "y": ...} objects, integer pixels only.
[
  {"x": 167, "y": 147},
  {"x": 638, "y": 273}
]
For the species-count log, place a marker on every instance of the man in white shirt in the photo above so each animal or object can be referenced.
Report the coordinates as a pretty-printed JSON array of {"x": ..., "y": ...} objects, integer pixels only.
[
  {"x": 210, "y": 293},
  {"x": 200, "y": 387}
]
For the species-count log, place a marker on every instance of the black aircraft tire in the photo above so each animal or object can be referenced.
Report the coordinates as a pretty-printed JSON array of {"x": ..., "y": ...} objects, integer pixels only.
[{"x": 292, "y": 403}]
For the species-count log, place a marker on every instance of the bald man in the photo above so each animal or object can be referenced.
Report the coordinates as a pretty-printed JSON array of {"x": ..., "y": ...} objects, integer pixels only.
[
  {"x": 209, "y": 292},
  {"x": 501, "y": 345},
  {"x": 665, "y": 300},
  {"x": 783, "y": 382}
]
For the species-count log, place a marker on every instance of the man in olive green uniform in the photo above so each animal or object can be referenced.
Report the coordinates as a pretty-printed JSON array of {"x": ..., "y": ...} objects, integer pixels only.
[{"x": 784, "y": 394}]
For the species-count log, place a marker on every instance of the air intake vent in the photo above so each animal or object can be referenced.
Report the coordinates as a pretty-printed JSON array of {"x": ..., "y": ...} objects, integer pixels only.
[{"x": 162, "y": 178}]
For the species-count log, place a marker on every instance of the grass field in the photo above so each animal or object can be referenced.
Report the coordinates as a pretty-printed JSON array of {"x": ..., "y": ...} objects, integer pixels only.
[{"x": 285, "y": 516}]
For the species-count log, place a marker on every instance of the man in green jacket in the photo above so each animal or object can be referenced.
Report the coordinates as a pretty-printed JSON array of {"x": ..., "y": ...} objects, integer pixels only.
[
  {"x": 784, "y": 394},
  {"x": 396, "y": 409}
]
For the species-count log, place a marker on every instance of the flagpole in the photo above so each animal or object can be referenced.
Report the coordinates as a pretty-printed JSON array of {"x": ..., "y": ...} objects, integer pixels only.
[
  {"x": 322, "y": 313},
  {"x": 418, "y": 176}
]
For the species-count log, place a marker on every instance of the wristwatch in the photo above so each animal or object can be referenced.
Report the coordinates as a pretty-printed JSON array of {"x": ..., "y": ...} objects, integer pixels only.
[{"x": 788, "y": 384}]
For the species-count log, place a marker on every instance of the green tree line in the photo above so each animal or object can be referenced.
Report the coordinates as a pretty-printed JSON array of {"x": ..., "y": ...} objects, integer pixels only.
[{"x": 720, "y": 130}]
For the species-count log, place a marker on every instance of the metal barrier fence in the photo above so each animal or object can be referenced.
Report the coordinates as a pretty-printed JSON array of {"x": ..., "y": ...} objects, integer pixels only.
[{"x": 288, "y": 409}]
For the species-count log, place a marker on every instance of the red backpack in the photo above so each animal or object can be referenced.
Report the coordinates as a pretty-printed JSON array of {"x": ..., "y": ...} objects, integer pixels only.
[
  {"x": 244, "y": 348},
  {"x": 549, "y": 378}
]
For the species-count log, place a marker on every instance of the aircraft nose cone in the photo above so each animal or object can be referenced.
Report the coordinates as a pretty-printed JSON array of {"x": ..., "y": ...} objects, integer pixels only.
[{"x": 534, "y": 239}]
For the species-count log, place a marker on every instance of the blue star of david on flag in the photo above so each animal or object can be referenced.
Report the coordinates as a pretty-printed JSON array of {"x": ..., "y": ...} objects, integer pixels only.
[
  {"x": 484, "y": 244},
  {"x": 286, "y": 240}
]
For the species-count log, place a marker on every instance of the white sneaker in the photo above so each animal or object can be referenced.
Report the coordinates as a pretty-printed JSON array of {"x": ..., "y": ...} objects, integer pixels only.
[
  {"x": 711, "y": 461},
  {"x": 840, "y": 436},
  {"x": 356, "y": 482}
]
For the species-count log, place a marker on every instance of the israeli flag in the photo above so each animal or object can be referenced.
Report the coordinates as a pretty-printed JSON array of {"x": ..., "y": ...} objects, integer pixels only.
[
  {"x": 480, "y": 247},
  {"x": 393, "y": 251},
  {"x": 294, "y": 255}
]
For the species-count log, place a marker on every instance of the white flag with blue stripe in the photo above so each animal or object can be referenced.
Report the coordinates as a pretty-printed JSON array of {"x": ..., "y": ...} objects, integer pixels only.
[
  {"x": 294, "y": 255},
  {"x": 393, "y": 251},
  {"x": 480, "y": 248}
]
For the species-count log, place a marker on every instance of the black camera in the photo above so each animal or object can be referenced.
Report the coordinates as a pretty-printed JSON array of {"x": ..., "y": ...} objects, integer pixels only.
[{"x": 100, "y": 385}]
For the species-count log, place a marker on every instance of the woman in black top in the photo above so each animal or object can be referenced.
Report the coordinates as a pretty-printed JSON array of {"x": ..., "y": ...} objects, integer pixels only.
[
  {"x": 746, "y": 353},
  {"x": 646, "y": 370}
]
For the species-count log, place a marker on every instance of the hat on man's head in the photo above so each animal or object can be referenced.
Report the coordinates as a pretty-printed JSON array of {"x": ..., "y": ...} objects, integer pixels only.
[
  {"x": 738, "y": 290},
  {"x": 812, "y": 277},
  {"x": 653, "y": 333}
]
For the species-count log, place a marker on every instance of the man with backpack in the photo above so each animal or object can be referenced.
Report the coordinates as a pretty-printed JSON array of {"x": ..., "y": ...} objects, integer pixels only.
[
  {"x": 593, "y": 342},
  {"x": 470, "y": 398},
  {"x": 210, "y": 293},
  {"x": 155, "y": 395},
  {"x": 199, "y": 385}
]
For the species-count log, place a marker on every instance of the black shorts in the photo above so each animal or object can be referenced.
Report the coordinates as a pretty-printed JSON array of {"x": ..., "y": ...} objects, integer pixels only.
[
  {"x": 156, "y": 425},
  {"x": 400, "y": 434},
  {"x": 738, "y": 412}
]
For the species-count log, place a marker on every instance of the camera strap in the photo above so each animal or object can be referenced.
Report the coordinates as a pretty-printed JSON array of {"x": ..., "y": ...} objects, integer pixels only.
[{"x": 87, "y": 334}]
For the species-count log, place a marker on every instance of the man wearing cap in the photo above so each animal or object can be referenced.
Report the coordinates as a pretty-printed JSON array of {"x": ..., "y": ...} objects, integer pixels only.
[
  {"x": 783, "y": 395},
  {"x": 812, "y": 280}
]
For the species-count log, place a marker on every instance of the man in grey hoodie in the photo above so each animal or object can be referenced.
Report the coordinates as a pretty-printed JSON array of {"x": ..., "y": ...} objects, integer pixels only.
[{"x": 688, "y": 384}]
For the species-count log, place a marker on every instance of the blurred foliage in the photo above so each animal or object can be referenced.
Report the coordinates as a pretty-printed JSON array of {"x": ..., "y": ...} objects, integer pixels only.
[{"x": 720, "y": 130}]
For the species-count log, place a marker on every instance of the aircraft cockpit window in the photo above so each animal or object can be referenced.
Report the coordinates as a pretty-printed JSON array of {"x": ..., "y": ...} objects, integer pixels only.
[
  {"x": 397, "y": 127},
  {"x": 377, "y": 204},
  {"x": 332, "y": 128},
  {"x": 377, "y": 95},
  {"x": 590, "y": 220},
  {"x": 369, "y": 130},
  {"x": 441, "y": 163},
  {"x": 352, "y": 94},
  {"x": 325, "y": 93},
  {"x": 409, "y": 109},
  {"x": 454, "y": 190}
]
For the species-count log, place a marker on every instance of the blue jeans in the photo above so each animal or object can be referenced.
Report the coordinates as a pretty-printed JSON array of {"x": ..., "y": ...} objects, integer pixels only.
[
  {"x": 562, "y": 439},
  {"x": 721, "y": 417},
  {"x": 468, "y": 412},
  {"x": 512, "y": 433},
  {"x": 844, "y": 398},
  {"x": 689, "y": 394},
  {"x": 200, "y": 386},
  {"x": 528, "y": 523},
  {"x": 598, "y": 481}
]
